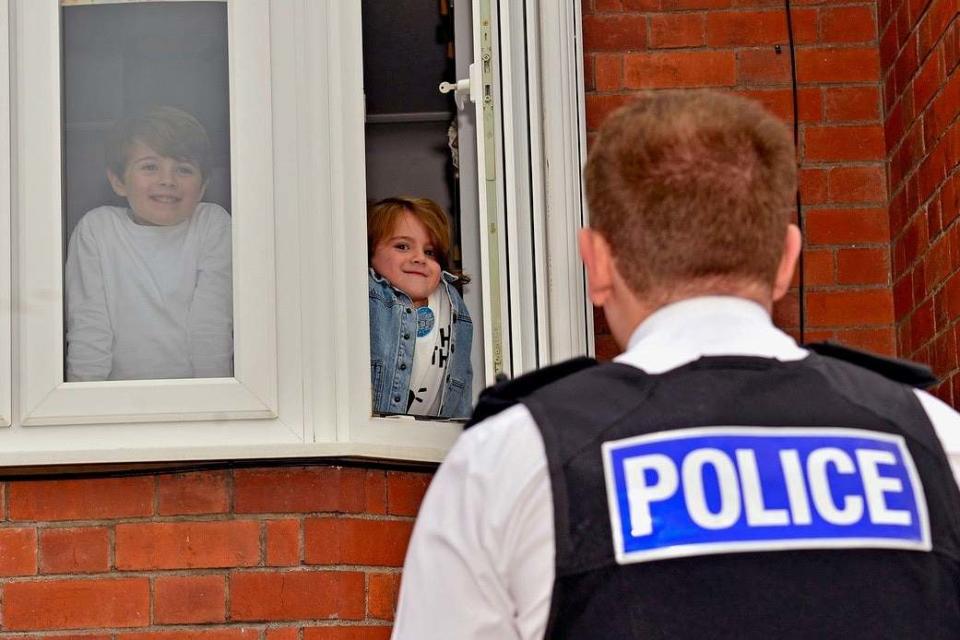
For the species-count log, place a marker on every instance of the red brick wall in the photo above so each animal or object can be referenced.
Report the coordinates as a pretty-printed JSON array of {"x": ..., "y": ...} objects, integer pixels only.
[
  {"x": 634, "y": 45},
  {"x": 258, "y": 554},
  {"x": 919, "y": 48}
]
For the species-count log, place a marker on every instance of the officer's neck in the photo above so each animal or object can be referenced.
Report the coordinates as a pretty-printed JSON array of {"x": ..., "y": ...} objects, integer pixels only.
[{"x": 625, "y": 310}]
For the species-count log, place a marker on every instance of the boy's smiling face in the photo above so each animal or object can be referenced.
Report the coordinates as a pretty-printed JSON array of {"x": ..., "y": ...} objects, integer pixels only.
[
  {"x": 160, "y": 190},
  {"x": 406, "y": 258}
]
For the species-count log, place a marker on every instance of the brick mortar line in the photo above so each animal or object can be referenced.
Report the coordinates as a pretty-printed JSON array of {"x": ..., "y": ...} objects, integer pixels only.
[
  {"x": 316, "y": 568},
  {"x": 227, "y": 596},
  {"x": 886, "y": 73},
  {"x": 854, "y": 246},
  {"x": 301, "y": 542},
  {"x": 895, "y": 12},
  {"x": 846, "y": 288},
  {"x": 861, "y": 45},
  {"x": 749, "y": 46},
  {"x": 731, "y": 9},
  {"x": 156, "y": 495},
  {"x": 842, "y": 124},
  {"x": 853, "y": 207},
  {"x": 913, "y": 169},
  {"x": 933, "y": 194},
  {"x": 198, "y": 572},
  {"x": 151, "y": 604},
  {"x": 771, "y": 85},
  {"x": 843, "y": 328},
  {"x": 263, "y": 542},
  {"x": 230, "y": 486},
  {"x": 842, "y": 164},
  {"x": 922, "y": 301},
  {"x": 202, "y": 518},
  {"x": 900, "y": 96},
  {"x": 829, "y": 204},
  {"x": 112, "y": 548},
  {"x": 938, "y": 286},
  {"x": 258, "y": 625},
  {"x": 914, "y": 123}
]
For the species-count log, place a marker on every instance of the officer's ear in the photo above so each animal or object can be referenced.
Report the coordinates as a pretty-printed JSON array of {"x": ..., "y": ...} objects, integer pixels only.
[
  {"x": 598, "y": 260},
  {"x": 792, "y": 244}
]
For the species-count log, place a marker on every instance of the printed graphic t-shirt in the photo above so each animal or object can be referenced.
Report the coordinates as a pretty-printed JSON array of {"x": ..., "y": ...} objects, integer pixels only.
[{"x": 431, "y": 355}]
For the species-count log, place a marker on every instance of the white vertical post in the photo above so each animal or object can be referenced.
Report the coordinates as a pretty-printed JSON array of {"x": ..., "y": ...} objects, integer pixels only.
[
  {"x": 6, "y": 301},
  {"x": 564, "y": 151}
]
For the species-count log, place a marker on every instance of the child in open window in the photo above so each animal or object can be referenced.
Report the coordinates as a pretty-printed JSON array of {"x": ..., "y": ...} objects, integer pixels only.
[
  {"x": 420, "y": 329},
  {"x": 149, "y": 285}
]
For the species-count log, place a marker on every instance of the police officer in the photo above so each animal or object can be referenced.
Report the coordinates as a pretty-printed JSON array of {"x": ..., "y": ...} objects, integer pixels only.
[{"x": 716, "y": 480}]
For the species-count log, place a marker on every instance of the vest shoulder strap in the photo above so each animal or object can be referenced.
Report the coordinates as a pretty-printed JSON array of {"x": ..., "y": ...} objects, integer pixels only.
[{"x": 902, "y": 371}]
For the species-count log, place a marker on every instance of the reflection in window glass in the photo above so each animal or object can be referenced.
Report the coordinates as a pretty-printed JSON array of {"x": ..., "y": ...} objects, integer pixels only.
[
  {"x": 421, "y": 330},
  {"x": 148, "y": 277}
]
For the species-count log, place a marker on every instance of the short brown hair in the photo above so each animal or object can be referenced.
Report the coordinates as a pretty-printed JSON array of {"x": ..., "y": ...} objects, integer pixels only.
[
  {"x": 382, "y": 218},
  {"x": 692, "y": 188},
  {"x": 169, "y": 131}
]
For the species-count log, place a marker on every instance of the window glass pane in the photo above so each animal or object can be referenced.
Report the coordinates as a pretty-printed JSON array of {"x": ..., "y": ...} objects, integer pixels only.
[
  {"x": 424, "y": 310},
  {"x": 146, "y": 163}
]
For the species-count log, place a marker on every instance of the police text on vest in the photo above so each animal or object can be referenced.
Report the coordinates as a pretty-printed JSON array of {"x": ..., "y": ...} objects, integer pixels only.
[{"x": 741, "y": 489}]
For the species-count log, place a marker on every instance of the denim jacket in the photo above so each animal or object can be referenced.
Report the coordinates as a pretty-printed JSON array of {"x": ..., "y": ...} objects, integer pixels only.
[{"x": 393, "y": 335}]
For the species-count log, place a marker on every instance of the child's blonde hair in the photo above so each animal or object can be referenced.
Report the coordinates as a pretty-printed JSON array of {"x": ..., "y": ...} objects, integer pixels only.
[
  {"x": 382, "y": 218},
  {"x": 169, "y": 131}
]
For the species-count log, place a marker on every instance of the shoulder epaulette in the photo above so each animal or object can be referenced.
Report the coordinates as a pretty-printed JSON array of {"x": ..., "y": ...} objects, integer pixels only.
[
  {"x": 896, "y": 369},
  {"x": 505, "y": 394}
]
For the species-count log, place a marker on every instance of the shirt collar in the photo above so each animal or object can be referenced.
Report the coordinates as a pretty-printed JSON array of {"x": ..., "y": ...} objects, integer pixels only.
[{"x": 685, "y": 331}]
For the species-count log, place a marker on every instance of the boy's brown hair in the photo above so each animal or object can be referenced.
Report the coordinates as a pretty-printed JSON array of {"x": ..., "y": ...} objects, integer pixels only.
[
  {"x": 692, "y": 189},
  {"x": 382, "y": 218},
  {"x": 169, "y": 131}
]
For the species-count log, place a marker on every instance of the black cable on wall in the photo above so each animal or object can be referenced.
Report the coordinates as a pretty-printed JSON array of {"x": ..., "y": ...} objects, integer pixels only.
[{"x": 796, "y": 143}]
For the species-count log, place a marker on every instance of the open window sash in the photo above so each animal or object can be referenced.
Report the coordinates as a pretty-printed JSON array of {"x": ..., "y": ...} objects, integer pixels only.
[
  {"x": 533, "y": 310},
  {"x": 555, "y": 90},
  {"x": 484, "y": 250},
  {"x": 491, "y": 218},
  {"x": 532, "y": 134},
  {"x": 531, "y": 142}
]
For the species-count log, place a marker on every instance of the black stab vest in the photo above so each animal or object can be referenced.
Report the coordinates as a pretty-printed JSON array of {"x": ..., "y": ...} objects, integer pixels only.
[{"x": 810, "y": 594}]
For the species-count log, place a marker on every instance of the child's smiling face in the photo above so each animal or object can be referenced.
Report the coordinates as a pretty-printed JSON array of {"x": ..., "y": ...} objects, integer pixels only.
[
  {"x": 160, "y": 190},
  {"x": 407, "y": 260}
]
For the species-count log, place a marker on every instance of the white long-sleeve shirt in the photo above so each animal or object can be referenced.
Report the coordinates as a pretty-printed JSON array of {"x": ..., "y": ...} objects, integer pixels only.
[
  {"x": 480, "y": 565},
  {"x": 149, "y": 302}
]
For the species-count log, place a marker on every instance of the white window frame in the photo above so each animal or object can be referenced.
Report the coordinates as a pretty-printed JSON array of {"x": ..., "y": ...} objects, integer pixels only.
[
  {"x": 302, "y": 385},
  {"x": 6, "y": 290},
  {"x": 44, "y": 396}
]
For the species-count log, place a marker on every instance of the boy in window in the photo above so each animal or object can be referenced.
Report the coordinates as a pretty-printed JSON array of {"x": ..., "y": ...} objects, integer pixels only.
[{"x": 149, "y": 286}]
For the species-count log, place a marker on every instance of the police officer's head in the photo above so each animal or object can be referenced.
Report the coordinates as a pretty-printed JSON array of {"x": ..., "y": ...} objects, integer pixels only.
[{"x": 689, "y": 194}]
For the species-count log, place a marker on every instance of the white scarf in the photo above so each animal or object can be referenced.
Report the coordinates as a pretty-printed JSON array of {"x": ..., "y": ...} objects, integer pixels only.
[{"x": 431, "y": 354}]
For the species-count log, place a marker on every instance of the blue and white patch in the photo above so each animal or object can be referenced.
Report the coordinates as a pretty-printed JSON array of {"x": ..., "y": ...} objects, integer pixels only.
[
  {"x": 425, "y": 321},
  {"x": 713, "y": 490}
]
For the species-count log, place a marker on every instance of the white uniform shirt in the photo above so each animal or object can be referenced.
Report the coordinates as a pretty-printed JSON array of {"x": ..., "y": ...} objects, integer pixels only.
[
  {"x": 480, "y": 565},
  {"x": 149, "y": 301}
]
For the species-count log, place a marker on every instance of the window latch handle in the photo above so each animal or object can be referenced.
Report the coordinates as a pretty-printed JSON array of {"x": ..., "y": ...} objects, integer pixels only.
[{"x": 460, "y": 89}]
